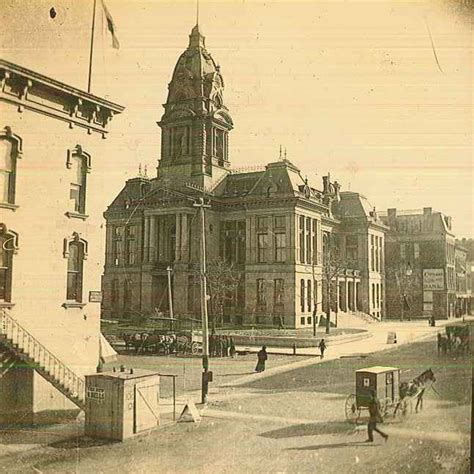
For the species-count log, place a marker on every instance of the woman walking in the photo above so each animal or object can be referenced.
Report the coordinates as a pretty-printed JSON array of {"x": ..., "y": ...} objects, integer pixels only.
[{"x": 261, "y": 359}]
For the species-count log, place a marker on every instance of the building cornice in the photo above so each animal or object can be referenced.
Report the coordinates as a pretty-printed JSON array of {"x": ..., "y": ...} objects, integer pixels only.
[{"x": 30, "y": 90}]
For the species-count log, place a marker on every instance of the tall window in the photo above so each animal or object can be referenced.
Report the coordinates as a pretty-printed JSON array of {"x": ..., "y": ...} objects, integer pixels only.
[
  {"x": 377, "y": 254},
  {"x": 352, "y": 249},
  {"x": 261, "y": 294},
  {"x": 77, "y": 190},
  {"x": 7, "y": 171},
  {"x": 309, "y": 296},
  {"x": 75, "y": 271},
  {"x": 372, "y": 251},
  {"x": 302, "y": 239},
  {"x": 130, "y": 244},
  {"x": 373, "y": 295},
  {"x": 280, "y": 247},
  {"x": 278, "y": 291},
  {"x": 233, "y": 239},
  {"x": 117, "y": 245},
  {"x": 262, "y": 245},
  {"x": 308, "y": 240},
  {"x": 302, "y": 295},
  {"x": 6, "y": 253},
  {"x": 316, "y": 258}
]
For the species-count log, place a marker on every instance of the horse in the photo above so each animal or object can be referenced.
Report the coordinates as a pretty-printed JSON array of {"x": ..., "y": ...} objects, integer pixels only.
[{"x": 415, "y": 388}]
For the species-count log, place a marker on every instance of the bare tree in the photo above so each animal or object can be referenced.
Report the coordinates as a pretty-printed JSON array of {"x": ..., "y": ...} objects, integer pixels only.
[{"x": 223, "y": 281}]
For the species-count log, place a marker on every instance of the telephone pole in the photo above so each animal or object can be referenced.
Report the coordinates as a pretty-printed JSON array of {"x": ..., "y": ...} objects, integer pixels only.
[{"x": 204, "y": 298}]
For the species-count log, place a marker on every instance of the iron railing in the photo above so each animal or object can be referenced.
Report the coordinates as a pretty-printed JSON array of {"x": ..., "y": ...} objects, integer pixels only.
[{"x": 47, "y": 363}]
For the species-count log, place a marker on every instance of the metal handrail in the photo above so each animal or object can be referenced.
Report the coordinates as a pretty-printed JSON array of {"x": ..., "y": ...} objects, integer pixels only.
[{"x": 13, "y": 331}]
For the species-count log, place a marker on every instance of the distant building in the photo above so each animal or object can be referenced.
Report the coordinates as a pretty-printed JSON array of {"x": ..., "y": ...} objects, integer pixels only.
[
  {"x": 464, "y": 268},
  {"x": 270, "y": 224},
  {"x": 421, "y": 264},
  {"x": 51, "y": 166}
]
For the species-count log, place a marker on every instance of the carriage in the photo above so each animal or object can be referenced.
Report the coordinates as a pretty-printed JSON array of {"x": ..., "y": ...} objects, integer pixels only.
[
  {"x": 458, "y": 340},
  {"x": 395, "y": 397},
  {"x": 384, "y": 381}
]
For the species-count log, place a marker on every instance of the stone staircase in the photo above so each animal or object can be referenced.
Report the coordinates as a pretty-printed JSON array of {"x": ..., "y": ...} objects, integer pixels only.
[
  {"x": 18, "y": 346},
  {"x": 355, "y": 320}
]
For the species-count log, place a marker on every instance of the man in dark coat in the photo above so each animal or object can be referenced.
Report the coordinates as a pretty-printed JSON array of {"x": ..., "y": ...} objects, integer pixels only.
[
  {"x": 261, "y": 358},
  {"x": 322, "y": 347},
  {"x": 375, "y": 417}
]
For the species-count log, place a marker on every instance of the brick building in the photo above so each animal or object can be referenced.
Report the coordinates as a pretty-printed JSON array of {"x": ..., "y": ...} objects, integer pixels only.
[
  {"x": 270, "y": 224},
  {"x": 421, "y": 264}
]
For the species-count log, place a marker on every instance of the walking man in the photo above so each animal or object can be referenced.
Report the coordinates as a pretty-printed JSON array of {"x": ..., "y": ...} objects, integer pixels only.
[
  {"x": 322, "y": 347},
  {"x": 375, "y": 417},
  {"x": 261, "y": 359}
]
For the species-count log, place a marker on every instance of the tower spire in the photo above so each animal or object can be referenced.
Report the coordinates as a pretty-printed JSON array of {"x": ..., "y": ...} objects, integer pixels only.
[{"x": 197, "y": 12}]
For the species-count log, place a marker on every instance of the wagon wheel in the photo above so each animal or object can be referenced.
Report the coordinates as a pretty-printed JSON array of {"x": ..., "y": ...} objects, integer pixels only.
[
  {"x": 195, "y": 348},
  {"x": 352, "y": 411}
]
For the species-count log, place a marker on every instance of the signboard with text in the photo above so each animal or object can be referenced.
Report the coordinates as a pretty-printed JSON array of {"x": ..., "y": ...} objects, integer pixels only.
[
  {"x": 433, "y": 279},
  {"x": 95, "y": 296}
]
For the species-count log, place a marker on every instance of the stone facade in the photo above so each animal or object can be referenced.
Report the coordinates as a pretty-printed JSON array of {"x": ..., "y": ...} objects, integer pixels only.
[
  {"x": 270, "y": 224},
  {"x": 51, "y": 166}
]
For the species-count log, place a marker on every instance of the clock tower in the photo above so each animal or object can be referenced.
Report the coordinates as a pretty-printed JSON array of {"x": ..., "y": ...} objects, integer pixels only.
[{"x": 196, "y": 124}]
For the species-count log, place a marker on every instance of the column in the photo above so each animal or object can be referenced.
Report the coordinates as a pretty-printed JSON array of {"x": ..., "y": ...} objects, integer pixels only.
[
  {"x": 346, "y": 295},
  {"x": 146, "y": 240},
  {"x": 178, "y": 236},
  {"x": 152, "y": 253},
  {"x": 185, "y": 238},
  {"x": 354, "y": 299}
]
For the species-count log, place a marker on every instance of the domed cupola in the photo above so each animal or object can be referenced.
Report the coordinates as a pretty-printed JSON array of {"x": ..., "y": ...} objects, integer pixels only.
[{"x": 196, "y": 122}]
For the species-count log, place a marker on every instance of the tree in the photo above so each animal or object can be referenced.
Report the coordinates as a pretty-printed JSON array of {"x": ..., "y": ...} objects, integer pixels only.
[
  {"x": 222, "y": 281},
  {"x": 333, "y": 266}
]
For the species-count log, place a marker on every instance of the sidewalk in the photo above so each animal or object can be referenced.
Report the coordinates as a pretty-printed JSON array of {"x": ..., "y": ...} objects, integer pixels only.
[{"x": 407, "y": 332}]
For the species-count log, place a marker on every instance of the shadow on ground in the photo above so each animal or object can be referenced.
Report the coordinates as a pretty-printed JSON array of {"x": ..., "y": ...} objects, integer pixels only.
[
  {"x": 81, "y": 442},
  {"x": 309, "y": 429},
  {"x": 334, "y": 445}
]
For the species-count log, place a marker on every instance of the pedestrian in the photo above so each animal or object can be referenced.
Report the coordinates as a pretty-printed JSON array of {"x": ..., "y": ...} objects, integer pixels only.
[
  {"x": 375, "y": 417},
  {"x": 322, "y": 347},
  {"x": 232, "y": 348},
  {"x": 262, "y": 356},
  {"x": 440, "y": 342}
]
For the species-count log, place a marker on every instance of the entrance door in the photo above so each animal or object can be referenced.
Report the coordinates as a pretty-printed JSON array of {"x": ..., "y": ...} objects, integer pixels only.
[{"x": 146, "y": 415}]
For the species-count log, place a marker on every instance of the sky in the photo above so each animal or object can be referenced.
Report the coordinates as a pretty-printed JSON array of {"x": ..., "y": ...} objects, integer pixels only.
[{"x": 378, "y": 93}]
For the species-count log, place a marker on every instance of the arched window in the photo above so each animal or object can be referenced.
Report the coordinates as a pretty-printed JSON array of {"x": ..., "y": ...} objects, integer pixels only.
[
  {"x": 79, "y": 162},
  {"x": 75, "y": 250},
  {"x": 8, "y": 247},
  {"x": 10, "y": 151}
]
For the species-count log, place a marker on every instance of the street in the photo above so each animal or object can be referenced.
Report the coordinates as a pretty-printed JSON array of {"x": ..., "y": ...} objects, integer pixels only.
[{"x": 287, "y": 419}]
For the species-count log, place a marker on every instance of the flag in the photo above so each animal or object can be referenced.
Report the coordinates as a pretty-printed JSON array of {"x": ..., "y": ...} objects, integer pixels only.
[{"x": 111, "y": 26}]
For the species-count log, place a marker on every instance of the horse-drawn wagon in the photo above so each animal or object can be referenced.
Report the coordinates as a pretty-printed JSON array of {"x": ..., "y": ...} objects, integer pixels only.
[{"x": 394, "y": 396}]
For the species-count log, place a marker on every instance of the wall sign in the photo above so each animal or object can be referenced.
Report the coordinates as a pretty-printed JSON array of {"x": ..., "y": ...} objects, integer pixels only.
[
  {"x": 96, "y": 394},
  {"x": 95, "y": 296},
  {"x": 433, "y": 279}
]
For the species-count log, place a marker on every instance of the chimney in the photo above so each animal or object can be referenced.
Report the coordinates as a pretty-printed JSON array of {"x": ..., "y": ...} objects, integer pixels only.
[{"x": 427, "y": 211}]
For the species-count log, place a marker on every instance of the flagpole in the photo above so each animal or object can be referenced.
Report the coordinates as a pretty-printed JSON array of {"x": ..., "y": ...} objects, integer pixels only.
[{"x": 91, "y": 48}]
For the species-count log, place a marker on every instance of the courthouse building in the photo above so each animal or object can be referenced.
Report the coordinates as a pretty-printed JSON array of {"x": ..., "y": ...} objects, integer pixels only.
[{"x": 272, "y": 225}]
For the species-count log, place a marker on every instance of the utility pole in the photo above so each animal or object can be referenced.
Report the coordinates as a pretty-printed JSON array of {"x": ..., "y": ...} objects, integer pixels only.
[
  {"x": 170, "y": 295},
  {"x": 204, "y": 299}
]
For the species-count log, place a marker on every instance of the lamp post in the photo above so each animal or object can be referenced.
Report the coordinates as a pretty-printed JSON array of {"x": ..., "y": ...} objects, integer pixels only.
[
  {"x": 170, "y": 296},
  {"x": 204, "y": 299},
  {"x": 403, "y": 296}
]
